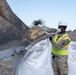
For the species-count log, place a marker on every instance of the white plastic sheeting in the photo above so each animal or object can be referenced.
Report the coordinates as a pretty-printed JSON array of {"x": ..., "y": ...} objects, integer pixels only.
[{"x": 37, "y": 60}]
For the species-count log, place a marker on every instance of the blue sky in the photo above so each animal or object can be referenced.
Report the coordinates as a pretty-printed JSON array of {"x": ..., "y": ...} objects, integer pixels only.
[{"x": 51, "y": 11}]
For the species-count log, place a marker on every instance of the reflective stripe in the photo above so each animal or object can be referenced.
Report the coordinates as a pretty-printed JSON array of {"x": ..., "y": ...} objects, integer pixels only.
[
  {"x": 64, "y": 48},
  {"x": 59, "y": 52}
]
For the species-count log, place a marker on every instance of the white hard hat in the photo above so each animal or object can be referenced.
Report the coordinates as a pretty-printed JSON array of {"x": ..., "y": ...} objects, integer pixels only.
[{"x": 62, "y": 23}]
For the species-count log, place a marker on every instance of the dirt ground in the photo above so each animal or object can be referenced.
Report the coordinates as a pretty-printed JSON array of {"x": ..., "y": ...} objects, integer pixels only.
[{"x": 6, "y": 67}]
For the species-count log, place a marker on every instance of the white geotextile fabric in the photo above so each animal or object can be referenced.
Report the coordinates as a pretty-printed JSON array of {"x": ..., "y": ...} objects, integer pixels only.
[{"x": 37, "y": 60}]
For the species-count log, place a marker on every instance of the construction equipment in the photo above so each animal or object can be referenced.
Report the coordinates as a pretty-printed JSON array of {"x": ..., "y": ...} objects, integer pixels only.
[{"x": 14, "y": 34}]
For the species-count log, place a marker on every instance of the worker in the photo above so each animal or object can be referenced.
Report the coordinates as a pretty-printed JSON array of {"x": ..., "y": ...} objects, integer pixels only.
[{"x": 60, "y": 43}]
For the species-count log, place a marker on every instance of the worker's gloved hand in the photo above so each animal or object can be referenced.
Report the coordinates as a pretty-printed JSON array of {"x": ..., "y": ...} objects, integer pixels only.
[
  {"x": 50, "y": 38},
  {"x": 48, "y": 34}
]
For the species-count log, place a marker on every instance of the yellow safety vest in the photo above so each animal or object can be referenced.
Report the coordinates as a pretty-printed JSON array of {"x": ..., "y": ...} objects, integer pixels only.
[{"x": 64, "y": 50}]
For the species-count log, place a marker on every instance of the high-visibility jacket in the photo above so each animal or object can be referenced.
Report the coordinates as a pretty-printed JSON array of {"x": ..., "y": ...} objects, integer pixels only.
[{"x": 64, "y": 50}]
